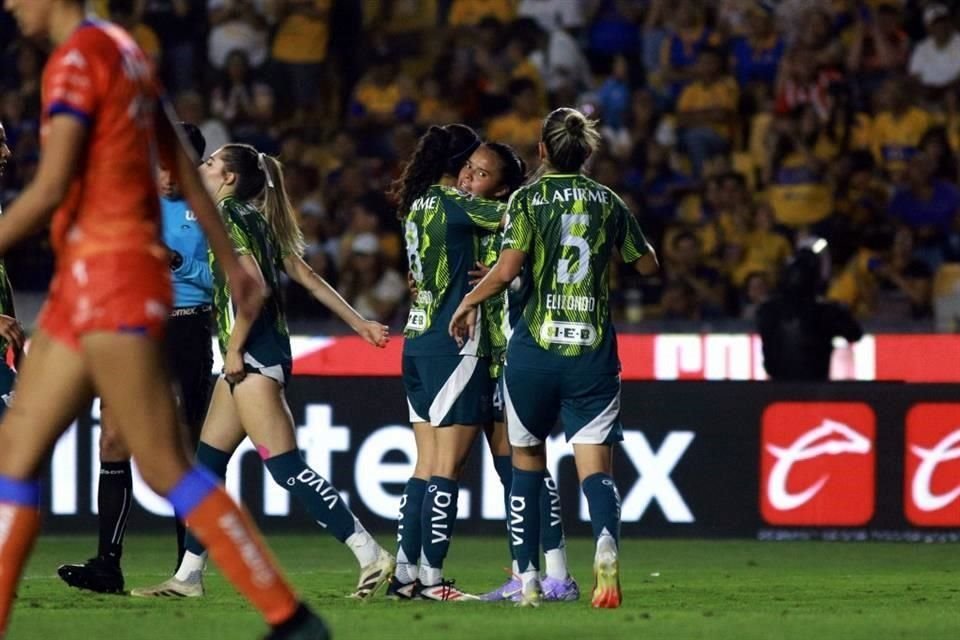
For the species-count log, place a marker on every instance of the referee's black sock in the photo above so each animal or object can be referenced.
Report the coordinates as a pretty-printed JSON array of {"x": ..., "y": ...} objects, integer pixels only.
[{"x": 113, "y": 502}]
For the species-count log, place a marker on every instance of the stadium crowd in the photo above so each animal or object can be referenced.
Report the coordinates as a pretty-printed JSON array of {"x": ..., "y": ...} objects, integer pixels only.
[{"x": 737, "y": 130}]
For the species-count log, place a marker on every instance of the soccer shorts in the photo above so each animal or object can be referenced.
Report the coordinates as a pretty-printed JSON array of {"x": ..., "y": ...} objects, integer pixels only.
[
  {"x": 278, "y": 370},
  {"x": 125, "y": 292},
  {"x": 448, "y": 390},
  {"x": 588, "y": 406},
  {"x": 498, "y": 413}
]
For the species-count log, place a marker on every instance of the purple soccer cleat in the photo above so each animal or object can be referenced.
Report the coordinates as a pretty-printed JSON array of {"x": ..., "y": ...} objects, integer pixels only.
[
  {"x": 555, "y": 590},
  {"x": 509, "y": 590}
]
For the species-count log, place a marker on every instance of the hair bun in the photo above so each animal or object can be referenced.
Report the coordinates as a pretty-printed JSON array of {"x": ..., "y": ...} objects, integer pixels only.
[{"x": 574, "y": 123}]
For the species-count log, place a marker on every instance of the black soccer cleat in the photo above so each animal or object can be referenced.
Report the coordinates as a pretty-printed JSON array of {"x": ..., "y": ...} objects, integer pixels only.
[
  {"x": 99, "y": 575},
  {"x": 398, "y": 590},
  {"x": 304, "y": 625}
]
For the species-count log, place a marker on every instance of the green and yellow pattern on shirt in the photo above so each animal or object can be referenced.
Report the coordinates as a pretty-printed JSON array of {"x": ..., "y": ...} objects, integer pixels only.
[
  {"x": 441, "y": 237},
  {"x": 6, "y": 302},
  {"x": 269, "y": 339},
  {"x": 568, "y": 225},
  {"x": 494, "y": 309}
]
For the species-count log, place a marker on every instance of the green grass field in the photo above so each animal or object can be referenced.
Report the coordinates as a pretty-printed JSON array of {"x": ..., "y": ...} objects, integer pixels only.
[{"x": 680, "y": 589}]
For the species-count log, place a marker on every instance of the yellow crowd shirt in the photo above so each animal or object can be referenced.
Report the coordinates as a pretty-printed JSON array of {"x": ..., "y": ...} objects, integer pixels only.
[
  {"x": 895, "y": 140},
  {"x": 722, "y": 94},
  {"x": 302, "y": 39},
  {"x": 798, "y": 194},
  {"x": 465, "y": 13}
]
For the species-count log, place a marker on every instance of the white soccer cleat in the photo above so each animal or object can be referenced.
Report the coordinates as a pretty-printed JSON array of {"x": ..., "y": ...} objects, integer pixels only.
[
  {"x": 606, "y": 588},
  {"x": 445, "y": 591},
  {"x": 171, "y": 588},
  {"x": 374, "y": 576}
]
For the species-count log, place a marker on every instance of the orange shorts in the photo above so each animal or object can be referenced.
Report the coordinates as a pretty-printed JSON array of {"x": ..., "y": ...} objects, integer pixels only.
[{"x": 114, "y": 292}]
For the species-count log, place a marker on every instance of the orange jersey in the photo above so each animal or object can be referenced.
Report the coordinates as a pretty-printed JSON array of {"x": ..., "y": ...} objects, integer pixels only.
[{"x": 100, "y": 76}]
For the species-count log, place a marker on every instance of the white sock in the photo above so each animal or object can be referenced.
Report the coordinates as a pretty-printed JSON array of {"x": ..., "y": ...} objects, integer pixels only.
[
  {"x": 429, "y": 576},
  {"x": 556, "y": 561},
  {"x": 406, "y": 572},
  {"x": 606, "y": 544},
  {"x": 364, "y": 547},
  {"x": 529, "y": 578},
  {"x": 191, "y": 567},
  {"x": 515, "y": 567}
]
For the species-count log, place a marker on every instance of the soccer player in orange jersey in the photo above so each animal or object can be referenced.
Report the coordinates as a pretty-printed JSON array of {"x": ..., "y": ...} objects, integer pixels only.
[{"x": 100, "y": 330}]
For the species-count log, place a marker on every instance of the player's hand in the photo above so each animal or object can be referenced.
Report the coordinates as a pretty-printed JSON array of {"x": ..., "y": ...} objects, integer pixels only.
[
  {"x": 12, "y": 332},
  {"x": 412, "y": 286},
  {"x": 463, "y": 324},
  {"x": 246, "y": 290},
  {"x": 233, "y": 369},
  {"x": 373, "y": 332},
  {"x": 478, "y": 273}
]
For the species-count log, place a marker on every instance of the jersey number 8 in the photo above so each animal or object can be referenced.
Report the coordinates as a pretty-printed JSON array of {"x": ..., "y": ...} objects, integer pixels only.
[
  {"x": 569, "y": 239},
  {"x": 413, "y": 250}
]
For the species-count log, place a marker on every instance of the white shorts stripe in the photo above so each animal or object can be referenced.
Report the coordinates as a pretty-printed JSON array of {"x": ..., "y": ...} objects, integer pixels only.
[
  {"x": 597, "y": 430},
  {"x": 518, "y": 434},
  {"x": 451, "y": 389},
  {"x": 414, "y": 416}
]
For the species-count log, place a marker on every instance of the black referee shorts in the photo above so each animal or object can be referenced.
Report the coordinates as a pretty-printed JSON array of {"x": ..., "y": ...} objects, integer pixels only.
[{"x": 190, "y": 357}]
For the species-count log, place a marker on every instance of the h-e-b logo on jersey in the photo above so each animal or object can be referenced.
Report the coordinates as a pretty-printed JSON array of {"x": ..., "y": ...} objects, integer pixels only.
[
  {"x": 568, "y": 333},
  {"x": 817, "y": 464}
]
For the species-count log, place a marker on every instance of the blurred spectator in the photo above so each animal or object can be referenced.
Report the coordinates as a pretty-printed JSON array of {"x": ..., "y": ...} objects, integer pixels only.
[
  {"x": 879, "y": 45},
  {"x": 519, "y": 127},
  {"x": 236, "y": 97},
  {"x": 129, "y": 15},
  {"x": 180, "y": 25},
  {"x": 755, "y": 56},
  {"x": 300, "y": 49},
  {"x": 706, "y": 111},
  {"x": 373, "y": 290},
  {"x": 935, "y": 143},
  {"x": 237, "y": 25},
  {"x": 686, "y": 266},
  {"x": 898, "y": 127},
  {"x": 754, "y": 292},
  {"x": 935, "y": 61},
  {"x": 688, "y": 35},
  {"x": 926, "y": 204},
  {"x": 614, "y": 29},
  {"x": 553, "y": 14},
  {"x": 191, "y": 108},
  {"x": 796, "y": 170},
  {"x": 466, "y": 13},
  {"x": 766, "y": 249},
  {"x": 904, "y": 283}
]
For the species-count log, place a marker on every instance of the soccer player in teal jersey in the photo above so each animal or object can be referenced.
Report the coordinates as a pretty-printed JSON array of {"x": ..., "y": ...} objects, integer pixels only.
[
  {"x": 562, "y": 357},
  {"x": 11, "y": 334},
  {"x": 495, "y": 171},
  {"x": 447, "y": 383},
  {"x": 248, "y": 399}
]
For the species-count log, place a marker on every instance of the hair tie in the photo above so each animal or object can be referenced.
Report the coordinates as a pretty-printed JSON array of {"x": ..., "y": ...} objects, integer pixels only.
[{"x": 262, "y": 164}]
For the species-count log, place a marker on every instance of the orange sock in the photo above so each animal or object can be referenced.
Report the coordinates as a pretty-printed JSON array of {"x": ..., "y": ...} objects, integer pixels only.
[
  {"x": 233, "y": 542},
  {"x": 19, "y": 526}
]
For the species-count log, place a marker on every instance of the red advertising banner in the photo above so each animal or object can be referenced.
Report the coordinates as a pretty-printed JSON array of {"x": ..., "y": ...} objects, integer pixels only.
[{"x": 680, "y": 356}]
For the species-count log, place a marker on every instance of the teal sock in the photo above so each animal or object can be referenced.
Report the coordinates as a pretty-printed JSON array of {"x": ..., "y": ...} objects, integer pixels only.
[
  {"x": 215, "y": 461},
  {"x": 504, "y": 468},
  {"x": 551, "y": 519},
  {"x": 408, "y": 525},
  {"x": 525, "y": 518},
  {"x": 437, "y": 517},
  {"x": 604, "y": 502},
  {"x": 320, "y": 498}
]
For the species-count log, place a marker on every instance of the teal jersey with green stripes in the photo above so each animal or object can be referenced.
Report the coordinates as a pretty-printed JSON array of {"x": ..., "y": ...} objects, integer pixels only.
[
  {"x": 494, "y": 309},
  {"x": 441, "y": 236},
  {"x": 269, "y": 339},
  {"x": 569, "y": 226}
]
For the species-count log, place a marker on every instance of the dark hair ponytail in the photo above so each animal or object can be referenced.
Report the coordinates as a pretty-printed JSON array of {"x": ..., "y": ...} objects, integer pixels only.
[
  {"x": 440, "y": 151},
  {"x": 513, "y": 169}
]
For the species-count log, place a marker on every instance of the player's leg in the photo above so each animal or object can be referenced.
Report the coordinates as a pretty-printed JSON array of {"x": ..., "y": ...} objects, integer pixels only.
[
  {"x": 591, "y": 419},
  {"x": 499, "y": 445},
  {"x": 409, "y": 538},
  {"x": 189, "y": 351},
  {"x": 101, "y": 573},
  {"x": 129, "y": 373},
  {"x": 267, "y": 420},
  {"x": 52, "y": 388},
  {"x": 222, "y": 433},
  {"x": 532, "y": 405},
  {"x": 461, "y": 401}
]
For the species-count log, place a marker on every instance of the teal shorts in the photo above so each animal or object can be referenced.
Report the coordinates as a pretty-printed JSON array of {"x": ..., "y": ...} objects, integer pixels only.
[
  {"x": 587, "y": 405},
  {"x": 448, "y": 390},
  {"x": 7, "y": 377}
]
